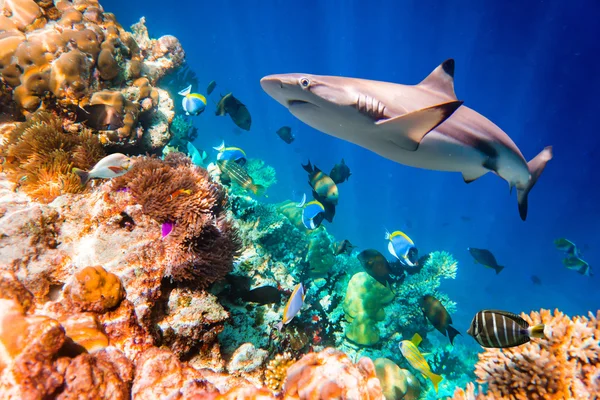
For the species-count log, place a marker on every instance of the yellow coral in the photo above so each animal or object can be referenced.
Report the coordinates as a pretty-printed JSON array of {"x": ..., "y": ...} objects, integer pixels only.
[
  {"x": 95, "y": 289},
  {"x": 277, "y": 369}
]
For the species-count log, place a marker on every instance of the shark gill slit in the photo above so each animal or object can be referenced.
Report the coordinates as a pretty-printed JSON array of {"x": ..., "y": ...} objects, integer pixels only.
[{"x": 370, "y": 107}]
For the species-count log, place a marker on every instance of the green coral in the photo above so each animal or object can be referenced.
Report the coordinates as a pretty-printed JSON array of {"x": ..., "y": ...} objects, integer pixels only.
[
  {"x": 182, "y": 131},
  {"x": 261, "y": 173},
  {"x": 320, "y": 256},
  {"x": 363, "y": 306}
]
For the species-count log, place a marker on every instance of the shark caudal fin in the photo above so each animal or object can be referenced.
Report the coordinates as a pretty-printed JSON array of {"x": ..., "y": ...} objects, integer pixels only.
[{"x": 536, "y": 167}]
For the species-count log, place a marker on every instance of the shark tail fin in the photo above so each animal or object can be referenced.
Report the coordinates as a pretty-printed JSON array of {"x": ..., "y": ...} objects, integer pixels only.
[
  {"x": 536, "y": 167},
  {"x": 185, "y": 91}
]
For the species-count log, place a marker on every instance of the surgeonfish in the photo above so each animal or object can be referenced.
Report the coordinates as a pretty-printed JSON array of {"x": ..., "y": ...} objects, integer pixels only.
[
  {"x": 100, "y": 117},
  {"x": 236, "y": 109},
  {"x": 111, "y": 166},
  {"x": 285, "y": 133},
  {"x": 577, "y": 264},
  {"x": 263, "y": 295},
  {"x": 567, "y": 246},
  {"x": 485, "y": 258},
  {"x": 197, "y": 157},
  {"x": 440, "y": 318},
  {"x": 402, "y": 247},
  {"x": 293, "y": 305},
  {"x": 502, "y": 329},
  {"x": 211, "y": 86},
  {"x": 340, "y": 172},
  {"x": 411, "y": 352},
  {"x": 343, "y": 247},
  {"x": 192, "y": 103},
  {"x": 423, "y": 125},
  {"x": 313, "y": 214},
  {"x": 376, "y": 265},
  {"x": 231, "y": 153},
  {"x": 238, "y": 174}
]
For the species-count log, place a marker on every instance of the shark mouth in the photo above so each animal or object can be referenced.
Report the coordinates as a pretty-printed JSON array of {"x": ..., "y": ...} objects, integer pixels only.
[{"x": 297, "y": 103}]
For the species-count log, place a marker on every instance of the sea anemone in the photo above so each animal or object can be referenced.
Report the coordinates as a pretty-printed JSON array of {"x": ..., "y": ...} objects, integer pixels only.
[
  {"x": 202, "y": 242},
  {"x": 40, "y": 156}
]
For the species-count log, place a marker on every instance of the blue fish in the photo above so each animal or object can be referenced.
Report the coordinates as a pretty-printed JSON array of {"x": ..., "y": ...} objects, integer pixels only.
[
  {"x": 313, "y": 214},
  {"x": 402, "y": 247},
  {"x": 231, "y": 153},
  {"x": 193, "y": 103},
  {"x": 197, "y": 157}
]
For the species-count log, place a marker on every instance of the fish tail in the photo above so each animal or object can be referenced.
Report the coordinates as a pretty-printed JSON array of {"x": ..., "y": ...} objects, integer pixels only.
[
  {"x": 537, "y": 331},
  {"x": 308, "y": 167},
  {"x": 258, "y": 190},
  {"x": 435, "y": 379},
  {"x": 452, "y": 332},
  {"x": 185, "y": 91},
  {"x": 498, "y": 269},
  {"x": 83, "y": 175},
  {"x": 221, "y": 147},
  {"x": 303, "y": 202},
  {"x": 536, "y": 167}
]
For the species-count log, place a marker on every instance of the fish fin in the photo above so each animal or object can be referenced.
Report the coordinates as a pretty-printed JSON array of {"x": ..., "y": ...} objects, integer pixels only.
[
  {"x": 435, "y": 379},
  {"x": 498, "y": 269},
  {"x": 407, "y": 131},
  {"x": 258, "y": 190},
  {"x": 416, "y": 339},
  {"x": 84, "y": 176},
  {"x": 469, "y": 177},
  {"x": 221, "y": 147},
  {"x": 308, "y": 167},
  {"x": 537, "y": 331},
  {"x": 303, "y": 202},
  {"x": 536, "y": 167},
  {"x": 452, "y": 332},
  {"x": 116, "y": 169},
  {"x": 441, "y": 80},
  {"x": 185, "y": 91},
  {"x": 329, "y": 212}
]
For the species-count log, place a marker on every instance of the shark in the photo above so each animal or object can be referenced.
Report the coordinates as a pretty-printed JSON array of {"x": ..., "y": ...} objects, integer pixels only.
[{"x": 422, "y": 125}]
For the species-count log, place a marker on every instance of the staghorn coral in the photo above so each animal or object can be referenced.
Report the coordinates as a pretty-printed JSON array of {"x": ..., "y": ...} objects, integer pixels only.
[
  {"x": 564, "y": 366},
  {"x": 203, "y": 242},
  {"x": 276, "y": 371},
  {"x": 331, "y": 374},
  {"x": 40, "y": 157},
  {"x": 94, "y": 289}
]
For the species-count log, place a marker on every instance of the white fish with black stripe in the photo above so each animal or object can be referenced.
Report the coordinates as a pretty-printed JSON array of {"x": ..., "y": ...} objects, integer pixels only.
[{"x": 502, "y": 329}]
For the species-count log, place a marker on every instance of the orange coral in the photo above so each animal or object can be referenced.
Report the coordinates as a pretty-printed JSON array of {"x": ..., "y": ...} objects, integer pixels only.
[
  {"x": 331, "y": 374},
  {"x": 40, "y": 157},
  {"x": 94, "y": 289},
  {"x": 202, "y": 244},
  {"x": 565, "y": 366},
  {"x": 84, "y": 331}
]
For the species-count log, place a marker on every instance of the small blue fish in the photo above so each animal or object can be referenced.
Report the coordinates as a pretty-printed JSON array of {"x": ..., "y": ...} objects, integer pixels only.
[
  {"x": 193, "y": 103},
  {"x": 231, "y": 153},
  {"x": 402, "y": 247},
  {"x": 313, "y": 214},
  {"x": 197, "y": 157},
  {"x": 293, "y": 306}
]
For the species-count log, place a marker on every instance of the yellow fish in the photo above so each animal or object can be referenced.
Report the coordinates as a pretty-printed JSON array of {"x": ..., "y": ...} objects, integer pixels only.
[{"x": 417, "y": 361}]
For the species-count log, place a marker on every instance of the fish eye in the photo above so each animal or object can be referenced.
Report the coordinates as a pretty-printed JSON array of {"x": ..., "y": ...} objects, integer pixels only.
[{"x": 304, "y": 82}]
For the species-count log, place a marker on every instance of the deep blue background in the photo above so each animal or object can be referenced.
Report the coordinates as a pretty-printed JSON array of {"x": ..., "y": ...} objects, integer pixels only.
[{"x": 530, "y": 66}]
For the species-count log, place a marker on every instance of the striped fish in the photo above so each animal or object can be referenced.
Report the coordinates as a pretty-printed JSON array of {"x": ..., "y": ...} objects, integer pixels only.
[
  {"x": 501, "y": 329},
  {"x": 239, "y": 175},
  {"x": 322, "y": 184},
  {"x": 417, "y": 361}
]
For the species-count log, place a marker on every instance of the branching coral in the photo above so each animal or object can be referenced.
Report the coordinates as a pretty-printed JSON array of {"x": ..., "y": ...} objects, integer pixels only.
[
  {"x": 40, "y": 156},
  {"x": 276, "y": 371},
  {"x": 564, "y": 366},
  {"x": 203, "y": 242}
]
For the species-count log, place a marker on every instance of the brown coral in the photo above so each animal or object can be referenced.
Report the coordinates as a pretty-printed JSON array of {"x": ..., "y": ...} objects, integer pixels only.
[
  {"x": 331, "y": 374},
  {"x": 564, "y": 366},
  {"x": 95, "y": 289},
  {"x": 84, "y": 331},
  {"x": 203, "y": 243},
  {"x": 40, "y": 157},
  {"x": 276, "y": 371}
]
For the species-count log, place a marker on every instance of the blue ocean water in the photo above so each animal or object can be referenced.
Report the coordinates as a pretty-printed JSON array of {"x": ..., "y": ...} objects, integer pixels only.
[{"x": 531, "y": 67}]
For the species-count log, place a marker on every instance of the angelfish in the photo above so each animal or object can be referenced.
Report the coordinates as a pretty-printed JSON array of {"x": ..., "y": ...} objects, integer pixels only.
[
  {"x": 421, "y": 125},
  {"x": 293, "y": 305},
  {"x": 111, "y": 166}
]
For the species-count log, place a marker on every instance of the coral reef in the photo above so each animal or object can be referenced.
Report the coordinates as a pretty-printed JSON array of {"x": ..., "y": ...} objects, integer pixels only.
[
  {"x": 276, "y": 371},
  {"x": 94, "y": 289},
  {"x": 262, "y": 174},
  {"x": 566, "y": 365},
  {"x": 40, "y": 156},
  {"x": 60, "y": 56}
]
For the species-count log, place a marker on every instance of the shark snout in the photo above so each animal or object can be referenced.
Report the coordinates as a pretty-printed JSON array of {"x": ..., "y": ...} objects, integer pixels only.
[{"x": 283, "y": 87}]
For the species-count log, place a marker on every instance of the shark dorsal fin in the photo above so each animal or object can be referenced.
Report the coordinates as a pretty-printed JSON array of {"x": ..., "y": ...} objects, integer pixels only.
[{"x": 441, "y": 80}]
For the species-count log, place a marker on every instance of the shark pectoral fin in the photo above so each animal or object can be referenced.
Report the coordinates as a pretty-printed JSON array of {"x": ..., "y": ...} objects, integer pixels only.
[
  {"x": 441, "y": 80},
  {"x": 470, "y": 176},
  {"x": 407, "y": 131}
]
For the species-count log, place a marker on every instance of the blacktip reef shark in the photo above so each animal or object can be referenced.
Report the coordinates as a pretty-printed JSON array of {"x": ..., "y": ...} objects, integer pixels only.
[{"x": 421, "y": 125}]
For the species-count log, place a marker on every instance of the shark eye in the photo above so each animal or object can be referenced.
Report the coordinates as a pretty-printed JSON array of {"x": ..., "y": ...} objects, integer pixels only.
[{"x": 304, "y": 82}]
